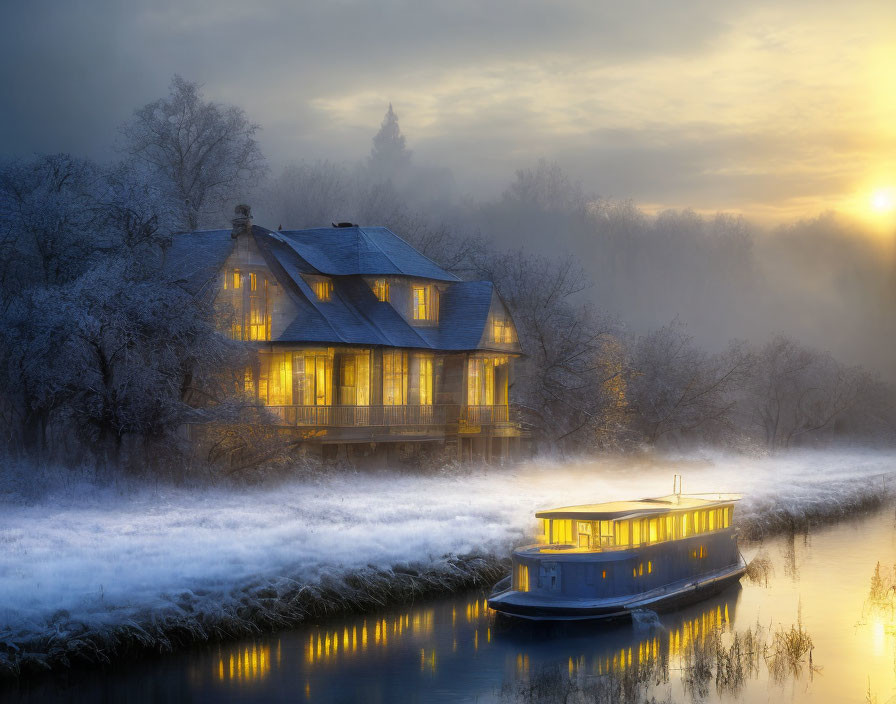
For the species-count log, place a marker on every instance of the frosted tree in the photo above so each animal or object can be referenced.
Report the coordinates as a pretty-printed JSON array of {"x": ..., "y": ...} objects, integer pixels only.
[
  {"x": 678, "y": 390},
  {"x": 47, "y": 220},
  {"x": 570, "y": 386},
  {"x": 389, "y": 155},
  {"x": 204, "y": 153}
]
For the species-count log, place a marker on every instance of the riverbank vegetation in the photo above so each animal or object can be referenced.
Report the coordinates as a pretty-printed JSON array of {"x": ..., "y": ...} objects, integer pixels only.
[
  {"x": 91, "y": 575},
  {"x": 107, "y": 357},
  {"x": 719, "y": 657}
]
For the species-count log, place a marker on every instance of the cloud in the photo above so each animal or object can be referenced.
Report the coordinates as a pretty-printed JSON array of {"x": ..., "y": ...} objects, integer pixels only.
[{"x": 757, "y": 107}]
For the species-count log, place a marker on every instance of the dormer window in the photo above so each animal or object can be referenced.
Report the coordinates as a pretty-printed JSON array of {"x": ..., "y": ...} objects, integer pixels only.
[
  {"x": 323, "y": 289},
  {"x": 381, "y": 290},
  {"x": 424, "y": 302}
]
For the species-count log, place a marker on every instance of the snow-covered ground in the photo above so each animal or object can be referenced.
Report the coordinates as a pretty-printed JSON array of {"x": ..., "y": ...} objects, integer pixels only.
[{"x": 106, "y": 558}]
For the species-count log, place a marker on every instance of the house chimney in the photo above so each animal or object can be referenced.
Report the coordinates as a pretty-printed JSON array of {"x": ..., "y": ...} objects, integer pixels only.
[{"x": 242, "y": 221}]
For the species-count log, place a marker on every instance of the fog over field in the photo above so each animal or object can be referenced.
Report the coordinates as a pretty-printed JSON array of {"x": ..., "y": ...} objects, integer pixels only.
[{"x": 104, "y": 557}]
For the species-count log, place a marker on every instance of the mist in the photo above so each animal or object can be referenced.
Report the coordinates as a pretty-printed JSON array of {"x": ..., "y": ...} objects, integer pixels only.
[{"x": 827, "y": 280}]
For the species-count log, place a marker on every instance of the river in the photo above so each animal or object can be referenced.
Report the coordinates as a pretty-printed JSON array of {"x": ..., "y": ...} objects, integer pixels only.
[{"x": 749, "y": 644}]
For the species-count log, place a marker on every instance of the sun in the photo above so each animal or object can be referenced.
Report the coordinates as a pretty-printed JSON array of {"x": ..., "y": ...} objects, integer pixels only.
[{"x": 883, "y": 200}]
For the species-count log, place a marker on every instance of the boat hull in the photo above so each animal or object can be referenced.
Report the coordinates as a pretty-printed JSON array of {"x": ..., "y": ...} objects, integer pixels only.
[{"x": 527, "y": 605}]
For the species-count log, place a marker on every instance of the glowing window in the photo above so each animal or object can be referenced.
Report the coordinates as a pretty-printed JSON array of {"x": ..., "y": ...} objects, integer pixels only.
[
  {"x": 381, "y": 289},
  {"x": 395, "y": 378},
  {"x": 421, "y": 302},
  {"x": 502, "y": 330},
  {"x": 583, "y": 528},
  {"x": 561, "y": 532},
  {"x": 622, "y": 533},
  {"x": 253, "y": 282},
  {"x": 323, "y": 289},
  {"x": 237, "y": 279},
  {"x": 424, "y": 302},
  {"x": 275, "y": 383},
  {"x": 649, "y": 567},
  {"x": 424, "y": 379},
  {"x": 606, "y": 533},
  {"x": 603, "y": 574},
  {"x": 521, "y": 577}
]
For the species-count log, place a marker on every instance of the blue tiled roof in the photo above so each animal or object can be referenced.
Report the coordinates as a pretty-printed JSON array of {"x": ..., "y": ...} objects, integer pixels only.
[
  {"x": 353, "y": 315},
  {"x": 346, "y": 251}
]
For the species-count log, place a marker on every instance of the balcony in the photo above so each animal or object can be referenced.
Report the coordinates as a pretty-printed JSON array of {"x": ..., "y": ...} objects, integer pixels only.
[{"x": 388, "y": 416}]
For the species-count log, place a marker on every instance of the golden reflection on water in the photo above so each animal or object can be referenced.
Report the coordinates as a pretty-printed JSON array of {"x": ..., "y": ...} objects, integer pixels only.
[
  {"x": 331, "y": 646},
  {"x": 674, "y": 643},
  {"x": 246, "y": 664}
]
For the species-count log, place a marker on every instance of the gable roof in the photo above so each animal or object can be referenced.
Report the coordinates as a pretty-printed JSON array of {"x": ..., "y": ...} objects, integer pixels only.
[
  {"x": 353, "y": 315},
  {"x": 346, "y": 251}
]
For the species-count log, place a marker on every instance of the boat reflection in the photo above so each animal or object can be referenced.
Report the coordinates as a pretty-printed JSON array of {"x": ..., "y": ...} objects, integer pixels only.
[{"x": 448, "y": 634}]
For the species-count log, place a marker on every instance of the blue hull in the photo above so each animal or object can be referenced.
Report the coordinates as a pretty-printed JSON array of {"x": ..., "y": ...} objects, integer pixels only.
[{"x": 540, "y": 607}]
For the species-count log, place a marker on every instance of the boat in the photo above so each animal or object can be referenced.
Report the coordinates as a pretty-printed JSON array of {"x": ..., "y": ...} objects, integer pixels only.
[{"x": 610, "y": 560}]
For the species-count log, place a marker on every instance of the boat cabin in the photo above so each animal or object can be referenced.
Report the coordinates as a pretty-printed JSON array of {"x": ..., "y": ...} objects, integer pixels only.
[
  {"x": 620, "y": 525},
  {"x": 605, "y": 560}
]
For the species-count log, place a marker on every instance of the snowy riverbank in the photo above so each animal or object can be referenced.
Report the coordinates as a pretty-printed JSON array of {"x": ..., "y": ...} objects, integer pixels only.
[{"x": 90, "y": 574}]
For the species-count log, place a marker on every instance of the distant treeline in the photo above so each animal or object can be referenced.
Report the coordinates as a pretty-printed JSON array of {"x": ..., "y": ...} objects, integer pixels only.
[{"x": 105, "y": 359}]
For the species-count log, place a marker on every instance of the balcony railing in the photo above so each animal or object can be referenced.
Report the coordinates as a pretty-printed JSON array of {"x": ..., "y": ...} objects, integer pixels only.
[
  {"x": 484, "y": 415},
  {"x": 384, "y": 416}
]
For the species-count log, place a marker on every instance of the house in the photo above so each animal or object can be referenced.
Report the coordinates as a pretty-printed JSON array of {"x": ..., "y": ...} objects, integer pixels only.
[{"x": 364, "y": 345}]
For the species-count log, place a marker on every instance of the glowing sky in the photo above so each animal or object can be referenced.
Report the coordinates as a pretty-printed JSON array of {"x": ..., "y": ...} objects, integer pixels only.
[{"x": 774, "y": 109}]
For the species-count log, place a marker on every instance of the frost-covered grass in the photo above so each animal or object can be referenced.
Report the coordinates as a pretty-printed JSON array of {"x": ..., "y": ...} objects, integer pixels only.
[{"x": 82, "y": 562}]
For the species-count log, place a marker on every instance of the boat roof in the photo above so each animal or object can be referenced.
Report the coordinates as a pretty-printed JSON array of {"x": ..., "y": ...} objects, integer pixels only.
[{"x": 639, "y": 507}]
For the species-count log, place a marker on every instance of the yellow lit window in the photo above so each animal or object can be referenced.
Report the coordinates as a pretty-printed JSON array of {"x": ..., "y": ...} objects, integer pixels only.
[
  {"x": 544, "y": 524},
  {"x": 275, "y": 381},
  {"x": 253, "y": 282},
  {"x": 421, "y": 302},
  {"x": 649, "y": 567},
  {"x": 323, "y": 289},
  {"x": 502, "y": 330},
  {"x": 237, "y": 279},
  {"x": 521, "y": 577},
  {"x": 606, "y": 532},
  {"x": 636, "y": 532},
  {"x": 640, "y": 569},
  {"x": 314, "y": 378},
  {"x": 395, "y": 378},
  {"x": 603, "y": 574},
  {"x": 653, "y": 534},
  {"x": 423, "y": 381},
  {"x": 622, "y": 533},
  {"x": 561, "y": 532},
  {"x": 584, "y": 530},
  {"x": 424, "y": 302},
  {"x": 381, "y": 289}
]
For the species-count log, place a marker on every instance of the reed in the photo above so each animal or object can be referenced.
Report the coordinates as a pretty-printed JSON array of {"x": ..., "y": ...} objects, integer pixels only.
[{"x": 261, "y": 606}]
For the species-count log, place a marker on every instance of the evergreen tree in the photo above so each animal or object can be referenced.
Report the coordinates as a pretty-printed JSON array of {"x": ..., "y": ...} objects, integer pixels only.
[{"x": 389, "y": 156}]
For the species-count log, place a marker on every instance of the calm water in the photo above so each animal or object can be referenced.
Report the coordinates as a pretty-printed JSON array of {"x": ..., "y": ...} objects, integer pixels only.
[{"x": 454, "y": 650}]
